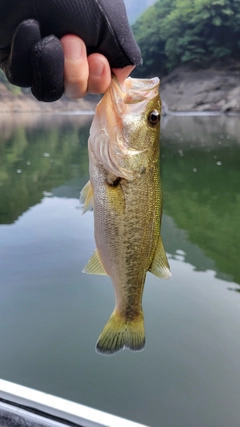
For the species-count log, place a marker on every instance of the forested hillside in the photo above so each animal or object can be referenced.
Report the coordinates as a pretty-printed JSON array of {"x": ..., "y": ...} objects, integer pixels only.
[
  {"x": 193, "y": 45},
  {"x": 175, "y": 32}
]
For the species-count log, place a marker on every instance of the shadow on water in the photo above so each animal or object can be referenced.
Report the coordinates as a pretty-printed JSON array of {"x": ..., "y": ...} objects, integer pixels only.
[{"x": 200, "y": 157}]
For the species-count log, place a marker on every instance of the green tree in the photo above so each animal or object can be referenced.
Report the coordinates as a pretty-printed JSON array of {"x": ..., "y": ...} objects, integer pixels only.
[
  {"x": 147, "y": 31},
  {"x": 176, "y": 32}
]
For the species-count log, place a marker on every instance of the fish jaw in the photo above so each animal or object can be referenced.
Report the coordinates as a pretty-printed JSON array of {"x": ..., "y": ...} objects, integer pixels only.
[{"x": 134, "y": 93}]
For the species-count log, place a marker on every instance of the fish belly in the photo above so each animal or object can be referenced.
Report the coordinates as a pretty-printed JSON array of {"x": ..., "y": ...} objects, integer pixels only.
[{"x": 126, "y": 224}]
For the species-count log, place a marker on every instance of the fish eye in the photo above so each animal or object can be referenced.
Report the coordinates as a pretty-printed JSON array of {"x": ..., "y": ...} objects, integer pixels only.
[{"x": 154, "y": 117}]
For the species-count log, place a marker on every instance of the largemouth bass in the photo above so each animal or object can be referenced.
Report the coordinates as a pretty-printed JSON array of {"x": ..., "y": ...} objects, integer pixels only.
[{"x": 125, "y": 193}]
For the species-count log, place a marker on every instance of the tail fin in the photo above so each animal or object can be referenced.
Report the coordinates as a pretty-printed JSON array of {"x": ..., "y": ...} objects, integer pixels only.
[{"x": 120, "y": 333}]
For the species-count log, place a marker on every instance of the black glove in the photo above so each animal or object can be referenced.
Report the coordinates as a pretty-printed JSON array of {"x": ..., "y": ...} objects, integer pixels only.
[{"x": 31, "y": 54}]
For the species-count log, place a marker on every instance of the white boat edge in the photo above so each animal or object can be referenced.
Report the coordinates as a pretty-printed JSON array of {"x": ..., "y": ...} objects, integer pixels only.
[{"x": 12, "y": 394}]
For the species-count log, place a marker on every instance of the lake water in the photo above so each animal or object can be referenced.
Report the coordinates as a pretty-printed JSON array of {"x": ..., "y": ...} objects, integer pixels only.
[{"x": 51, "y": 314}]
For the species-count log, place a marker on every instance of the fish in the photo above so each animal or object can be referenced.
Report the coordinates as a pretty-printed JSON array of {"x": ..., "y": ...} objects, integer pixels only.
[{"x": 125, "y": 194}]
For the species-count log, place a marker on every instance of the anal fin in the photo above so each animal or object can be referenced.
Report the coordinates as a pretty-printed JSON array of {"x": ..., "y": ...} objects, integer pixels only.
[
  {"x": 86, "y": 197},
  {"x": 94, "y": 265},
  {"x": 160, "y": 266}
]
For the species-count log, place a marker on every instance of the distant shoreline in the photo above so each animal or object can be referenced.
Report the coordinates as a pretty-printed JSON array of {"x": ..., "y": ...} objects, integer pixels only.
[
  {"x": 216, "y": 89},
  {"x": 10, "y": 103},
  {"x": 184, "y": 90}
]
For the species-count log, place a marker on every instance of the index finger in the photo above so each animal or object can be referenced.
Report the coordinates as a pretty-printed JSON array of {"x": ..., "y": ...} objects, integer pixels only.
[{"x": 123, "y": 73}]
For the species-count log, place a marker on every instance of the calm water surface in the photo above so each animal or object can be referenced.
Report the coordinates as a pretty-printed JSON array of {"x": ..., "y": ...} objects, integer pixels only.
[{"x": 51, "y": 314}]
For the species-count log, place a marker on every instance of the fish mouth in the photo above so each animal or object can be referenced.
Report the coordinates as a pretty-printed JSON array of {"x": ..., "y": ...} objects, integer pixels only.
[
  {"x": 133, "y": 90},
  {"x": 137, "y": 84}
]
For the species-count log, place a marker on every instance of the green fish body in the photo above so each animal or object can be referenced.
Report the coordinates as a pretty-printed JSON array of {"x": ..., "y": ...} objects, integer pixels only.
[{"x": 125, "y": 193}]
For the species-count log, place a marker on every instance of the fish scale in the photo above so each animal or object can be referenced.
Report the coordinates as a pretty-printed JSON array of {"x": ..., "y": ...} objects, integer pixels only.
[{"x": 125, "y": 192}]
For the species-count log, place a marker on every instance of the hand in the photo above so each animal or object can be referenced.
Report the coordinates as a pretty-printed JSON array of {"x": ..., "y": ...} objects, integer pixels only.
[
  {"x": 31, "y": 54},
  {"x": 84, "y": 74}
]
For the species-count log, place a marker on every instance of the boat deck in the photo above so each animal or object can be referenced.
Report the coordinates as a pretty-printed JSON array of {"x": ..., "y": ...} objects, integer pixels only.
[{"x": 24, "y": 407}]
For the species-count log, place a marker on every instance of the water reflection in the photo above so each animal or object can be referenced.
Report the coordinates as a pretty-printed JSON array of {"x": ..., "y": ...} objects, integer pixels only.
[
  {"x": 201, "y": 178},
  {"x": 47, "y": 155},
  {"x": 50, "y": 312},
  {"x": 36, "y": 156}
]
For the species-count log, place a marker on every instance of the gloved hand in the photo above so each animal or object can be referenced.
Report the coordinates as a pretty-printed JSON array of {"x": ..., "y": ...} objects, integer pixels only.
[{"x": 31, "y": 54}]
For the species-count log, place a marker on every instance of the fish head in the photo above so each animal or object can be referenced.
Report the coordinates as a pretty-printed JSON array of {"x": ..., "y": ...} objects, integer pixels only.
[
  {"x": 137, "y": 107},
  {"x": 126, "y": 127}
]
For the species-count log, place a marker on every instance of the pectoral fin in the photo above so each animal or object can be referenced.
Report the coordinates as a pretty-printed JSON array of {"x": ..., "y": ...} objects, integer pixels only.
[
  {"x": 86, "y": 197},
  {"x": 94, "y": 265},
  {"x": 160, "y": 266}
]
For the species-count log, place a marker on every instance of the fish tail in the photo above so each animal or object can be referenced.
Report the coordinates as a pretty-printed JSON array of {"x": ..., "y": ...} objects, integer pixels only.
[{"x": 120, "y": 333}]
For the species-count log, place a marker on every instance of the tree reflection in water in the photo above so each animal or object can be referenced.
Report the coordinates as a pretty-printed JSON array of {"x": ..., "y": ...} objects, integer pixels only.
[{"x": 200, "y": 159}]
